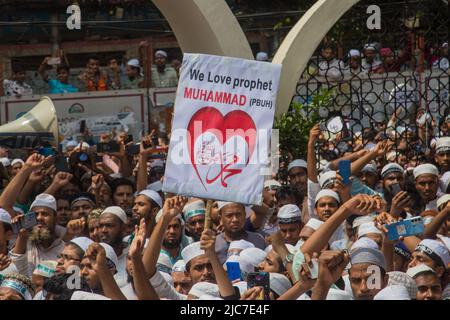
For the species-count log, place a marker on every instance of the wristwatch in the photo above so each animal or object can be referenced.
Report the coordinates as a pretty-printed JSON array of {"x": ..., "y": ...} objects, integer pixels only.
[{"x": 289, "y": 258}]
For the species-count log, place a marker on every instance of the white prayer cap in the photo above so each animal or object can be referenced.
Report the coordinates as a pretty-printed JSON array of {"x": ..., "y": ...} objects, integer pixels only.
[
  {"x": 242, "y": 286},
  {"x": 364, "y": 243},
  {"x": 361, "y": 220},
  {"x": 445, "y": 45},
  {"x": 368, "y": 255},
  {"x": 336, "y": 294},
  {"x": 370, "y": 167},
  {"x": 394, "y": 292},
  {"x": 110, "y": 254},
  {"x": 209, "y": 297},
  {"x": 354, "y": 53},
  {"x": 445, "y": 240},
  {"x": 117, "y": 211},
  {"x": 153, "y": 195},
  {"x": 84, "y": 295},
  {"x": 179, "y": 266},
  {"x": 279, "y": 283},
  {"x": 443, "y": 144},
  {"x": 314, "y": 223},
  {"x": 168, "y": 278},
  {"x": 5, "y": 216},
  {"x": 367, "y": 228},
  {"x": 160, "y": 213},
  {"x": 391, "y": 167},
  {"x": 5, "y": 162},
  {"x": 202, "y": 288},
  {"x": 415, "y": 271},
  {"x": 83, "y": 145},
  {"x": 194, "y": 208},
  {"x": 254, "y": 255},
  {"x": 327, "y": 193},
  {"x": 426, "y": 168},
  {"x": 289, "y": 213},
  {"x": 19, "y": 210},
  {"x": 44, "y": 200},
  {"x": 157, "y": 163},
  {"x": 290, "y": 248},
  {"x": 161, "y": 53},
  {"x": 240, "y": 244},
  {"x": 401, "y": 278},
  {"x": 444, "y": 182},
  {"x": 192, "y": 251},
  {"x": 164, "y": 260},
  {"x": 155, "y": 186},
  {"x": 443, "y": 200},
  {"x": 82, "y": 242},
  {"x": 245, "y": 265},
  {"x": 327, "y": 178},
  {"x": 16, "y": 161},
  {"x": 45, "y": 268},
  {"x": 432, "y": 248},
  {"x": 370, "y": 46},
  {"x": 71, "y": 143},
  {"x": 298, "y": 163},
  {"x": 134, "y": 63},
  {"x": 221, "y": 204},
  {"x": 271, "y": 183},
  {"x": 262, "y": 56}
]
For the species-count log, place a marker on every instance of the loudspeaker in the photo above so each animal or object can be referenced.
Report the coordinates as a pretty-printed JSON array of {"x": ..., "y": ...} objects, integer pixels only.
[{"x": 37, "y": 127}]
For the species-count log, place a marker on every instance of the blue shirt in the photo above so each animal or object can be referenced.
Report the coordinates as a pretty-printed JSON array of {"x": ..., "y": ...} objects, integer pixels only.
[{"x": 57, "y": 86}]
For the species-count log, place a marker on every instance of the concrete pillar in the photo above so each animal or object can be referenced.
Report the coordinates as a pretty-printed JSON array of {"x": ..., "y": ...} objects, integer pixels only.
[
  {"x": 301, "y": 42},
  {"x": 205, "y": 26}
]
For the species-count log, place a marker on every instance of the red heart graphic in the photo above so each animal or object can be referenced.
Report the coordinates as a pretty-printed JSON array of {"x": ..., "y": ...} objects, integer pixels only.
[{"x": 212, "y": 120}]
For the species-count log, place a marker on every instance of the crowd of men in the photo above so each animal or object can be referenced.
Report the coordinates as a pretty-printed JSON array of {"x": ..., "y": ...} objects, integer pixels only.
[
  {"x": 107, "y": 235},
  {"x": 115, "y": 76}
]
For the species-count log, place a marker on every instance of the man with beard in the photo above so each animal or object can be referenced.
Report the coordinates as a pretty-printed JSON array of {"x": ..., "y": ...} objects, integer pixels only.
[
  {"x": 172, "y": 241},
  {"x": 331, "y": 68},
  {"x": 427, "y": 183},
  {"x": 122, "y": 191},
  {"x": 434, "y": 254},
  {"x": 391, "y": 174},
  {"x": 98, "y": 267},
  {"x": 232, "y": 217},
  {"x": 146, "y": 205},
  {"x": 442, "y": 156},
  {"x": 163, "y": 76},
  {"x": 298, "y": 177},
  {"x": 290, "y": 223},
  {"x": 72, "y": 254},
  {"x": 112, "y": 226},
  {"x": 194, "y": 215},
  {"x": 43, "y": 241}
]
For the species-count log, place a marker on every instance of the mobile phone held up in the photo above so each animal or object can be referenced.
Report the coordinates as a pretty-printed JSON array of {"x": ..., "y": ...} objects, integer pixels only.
[
  {"x": 260, "y": 279},
  {"x": 27, "y": 222},
  {"x": 107, "y": 147},
  {"x": 395, "y": 189},
  {"x": 344, "y": 168},
  {"x": 233, "y": 271},
  {"x": 405, "y": 228}
]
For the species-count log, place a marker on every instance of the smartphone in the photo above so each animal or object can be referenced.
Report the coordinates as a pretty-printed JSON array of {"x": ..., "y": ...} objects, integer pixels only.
[
  {"x": 133, "y": 149},
  {"x": 27, "y": 222},
  {"x": 62, "y": 165},
  {"x": 344, "y": 167},
  {"x": 129, "y": 139},
  {"x": 54, "y": 61},
  {"x": 405, "y": 228},
  {"x": 260, "y": 279},
  {"x": 46, "y": 152},
  {"x": 155, "y": 141},
  {"x": 105, "y": 147},
  {"x": 82, "y": 126},
  {"x": 233, "y": 271},
  {"x": 395, "y": 189}
]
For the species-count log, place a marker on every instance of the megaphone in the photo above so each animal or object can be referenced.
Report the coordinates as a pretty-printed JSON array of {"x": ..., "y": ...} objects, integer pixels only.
[{"x": 37, "y": 127}]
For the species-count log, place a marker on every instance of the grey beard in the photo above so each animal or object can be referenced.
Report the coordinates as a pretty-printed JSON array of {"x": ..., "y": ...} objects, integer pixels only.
[{"x": 39, "y": 236}]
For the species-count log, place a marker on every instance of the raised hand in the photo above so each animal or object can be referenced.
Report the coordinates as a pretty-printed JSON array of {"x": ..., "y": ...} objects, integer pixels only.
[
  {"x": 76, "y": 227},
  {"x": 36, "y": 176},
  {"x": 314, "y": 134},
  {"x": 137, "y": 246},
  {"x": 399, "y": 203},
  {"x": 331, "y": 266},
  {"x": 61, "y": 179},
  {"x": 35, "y": 161},
  {"x": 208, "y": 241},
  {"x": 254, "y": 293},
  {"x": 97, "y": 254},
  {"x": 97, "y": 181},
  {"x": 174, "y": 206},
  {"x": 362, "y": 204}
]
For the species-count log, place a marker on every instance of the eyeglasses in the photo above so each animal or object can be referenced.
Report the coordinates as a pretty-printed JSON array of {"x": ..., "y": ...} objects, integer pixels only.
[{"x": 67, "y": 258}]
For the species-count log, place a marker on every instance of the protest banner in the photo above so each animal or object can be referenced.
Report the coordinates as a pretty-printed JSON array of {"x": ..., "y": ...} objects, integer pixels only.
[{"x": 224, "y": 110}]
